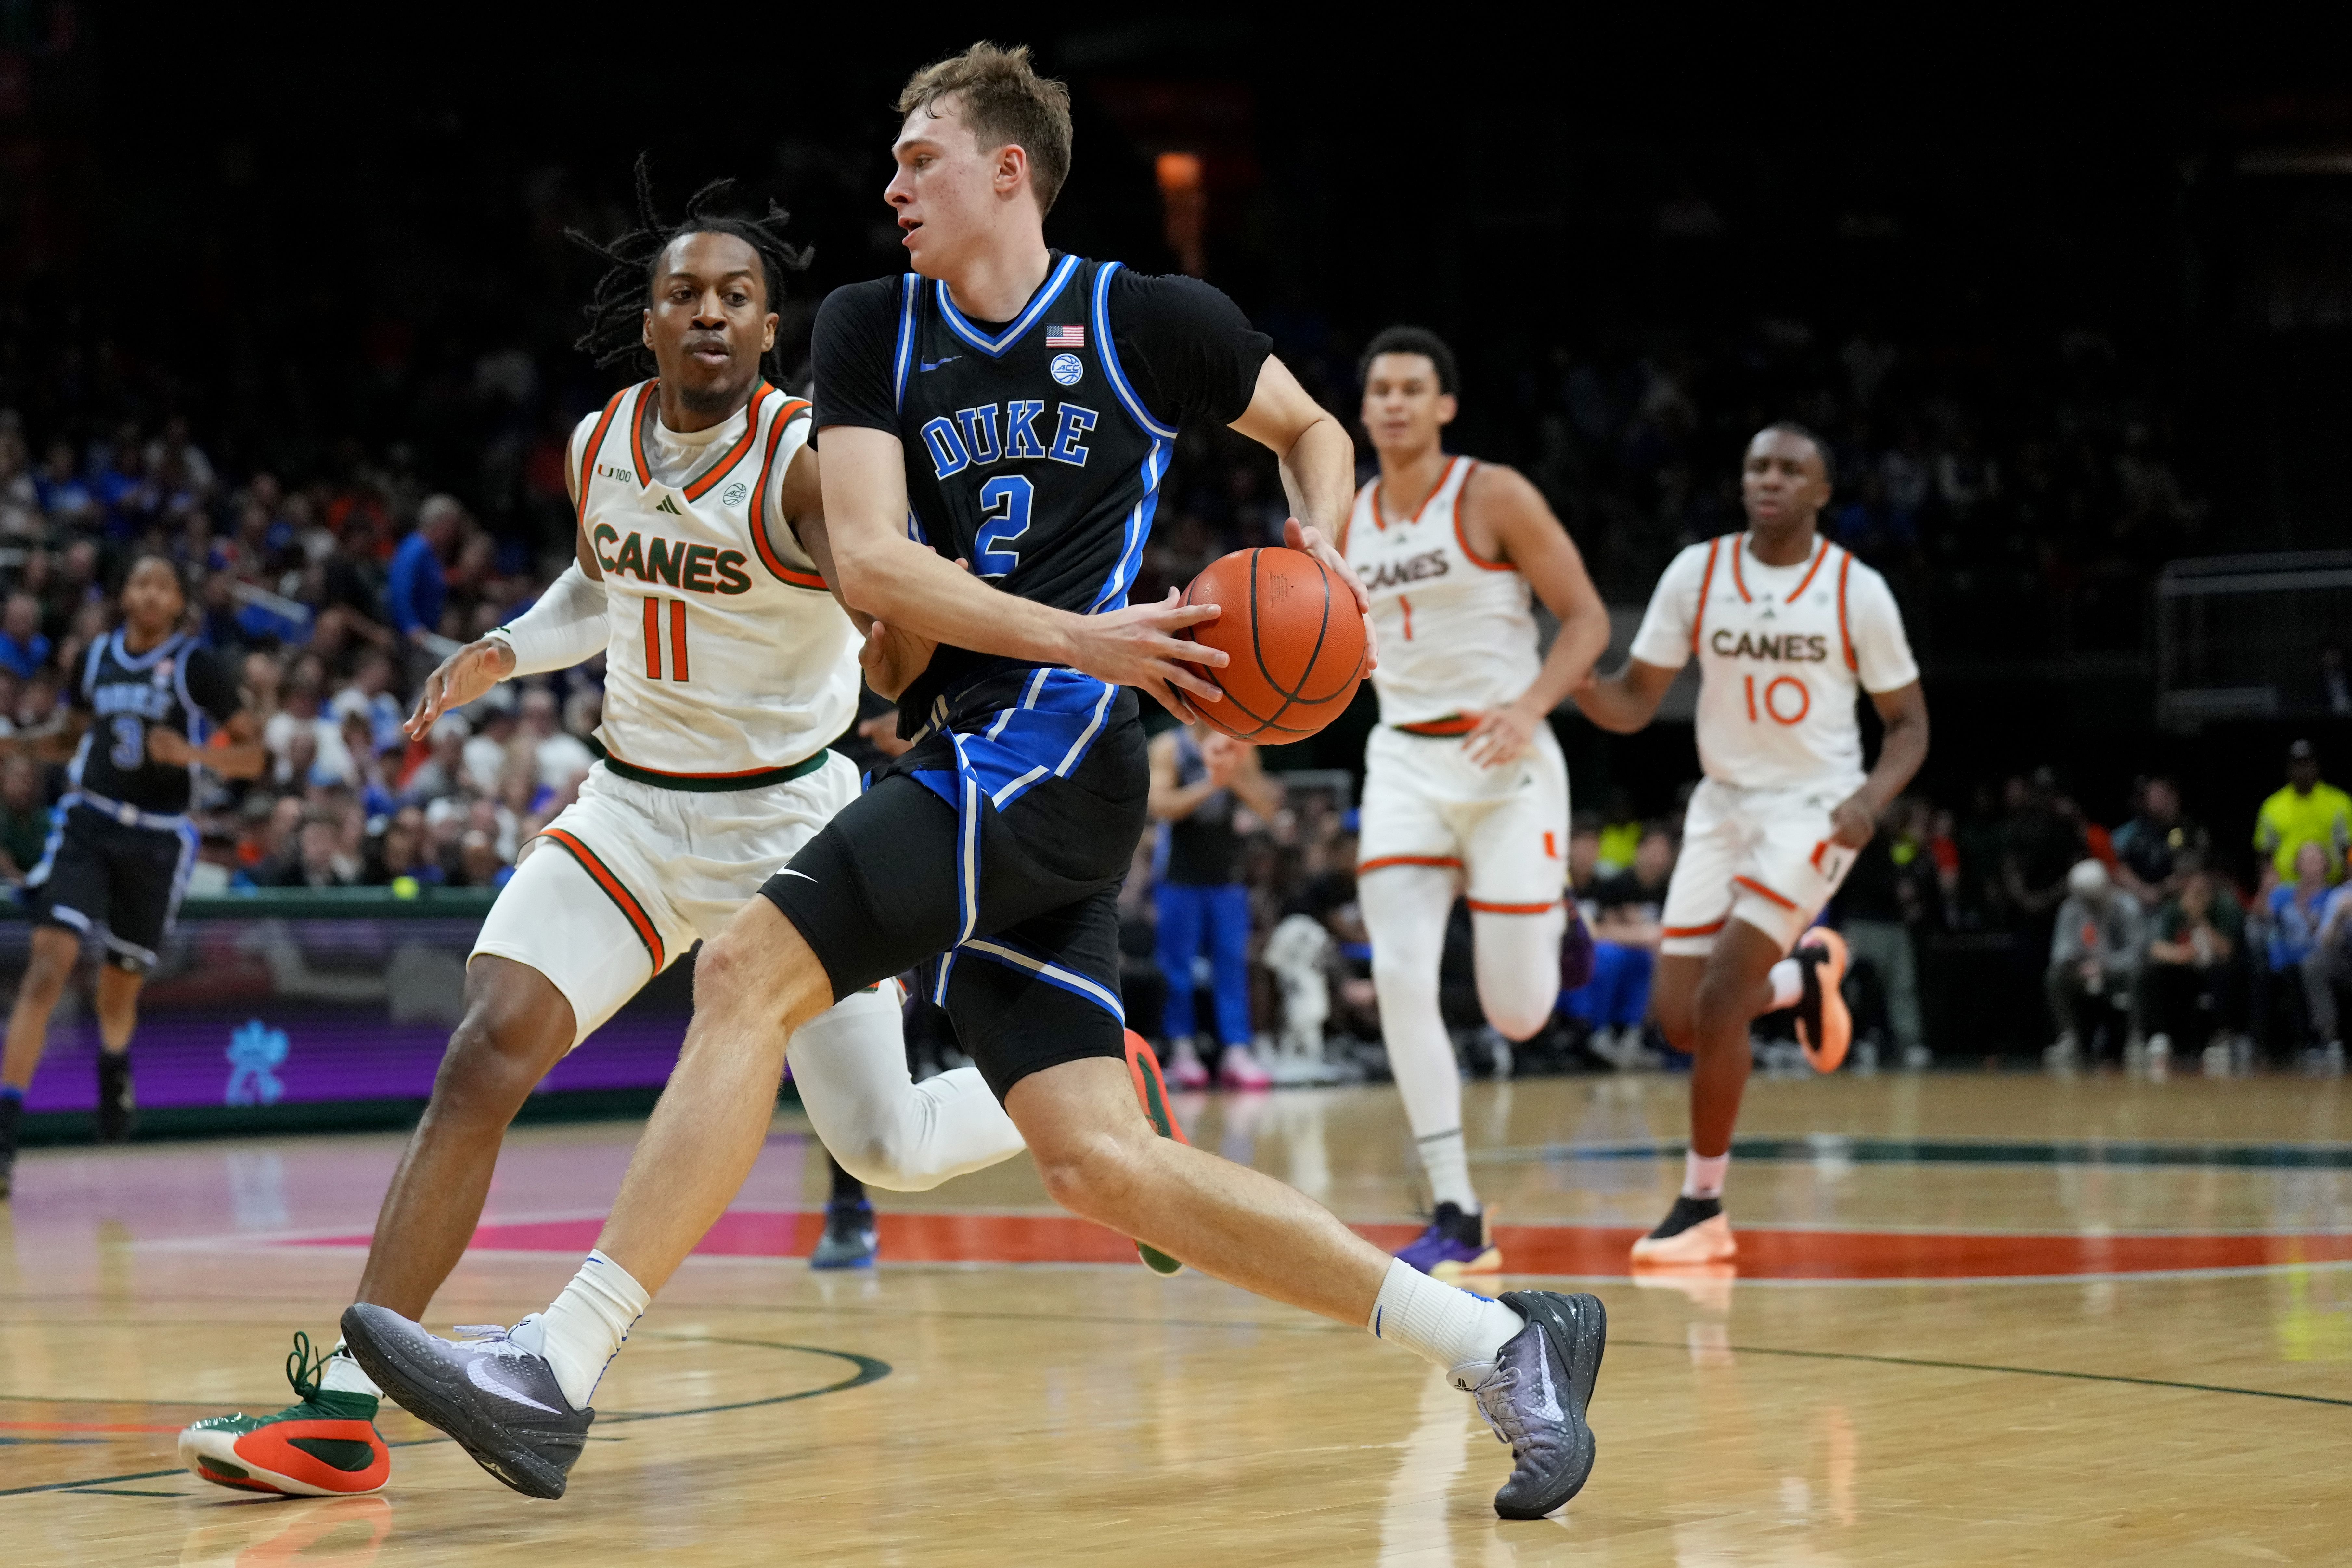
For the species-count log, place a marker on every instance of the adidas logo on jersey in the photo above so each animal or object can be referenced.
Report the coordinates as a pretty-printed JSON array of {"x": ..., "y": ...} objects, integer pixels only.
[{"x": 669, "y": 505}]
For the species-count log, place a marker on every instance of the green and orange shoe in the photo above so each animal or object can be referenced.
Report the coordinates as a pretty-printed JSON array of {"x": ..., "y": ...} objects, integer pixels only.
[
  {"x": 326, "y": 1446},
  {"x": 1151, "y": 1090}
]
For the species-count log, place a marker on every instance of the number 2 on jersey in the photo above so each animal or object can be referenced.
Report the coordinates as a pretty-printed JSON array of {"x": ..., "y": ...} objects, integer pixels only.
[
  {"x": 1004, "y": 516},
  {"x": 676, "y": 639}
]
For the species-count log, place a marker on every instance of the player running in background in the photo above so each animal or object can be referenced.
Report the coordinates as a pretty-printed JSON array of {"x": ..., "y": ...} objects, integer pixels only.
[
  {"x": 1789, "y": 631},
  {"x": 139, "y": 721},
  {"x": 1198, "y": 777},
  {"x": 728, "y": 667},
  {"x": 1017, "y": 408},
  {"x": 1465, "y": 787}
]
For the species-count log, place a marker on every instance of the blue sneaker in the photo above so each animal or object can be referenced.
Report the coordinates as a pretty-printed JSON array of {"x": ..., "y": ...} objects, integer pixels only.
[
  {"x": 1455, "y": 1244},
  {"x": 850, "y": 1239}
]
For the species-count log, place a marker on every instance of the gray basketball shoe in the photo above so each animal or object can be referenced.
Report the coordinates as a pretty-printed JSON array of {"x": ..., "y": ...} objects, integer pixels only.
[
  {"x": 499, "y": 1401},
  {"x": 1534, "y": 1398}
]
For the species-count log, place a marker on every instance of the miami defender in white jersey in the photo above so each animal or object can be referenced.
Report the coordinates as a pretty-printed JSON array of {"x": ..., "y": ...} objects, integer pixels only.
[
  {"x": 1789, "y": 631},
  {"x": 729, "y": 666},
  {"x": 1465, "y": 786}
]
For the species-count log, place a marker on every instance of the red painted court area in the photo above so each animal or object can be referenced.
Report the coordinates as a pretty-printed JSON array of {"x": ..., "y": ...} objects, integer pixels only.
[{"x": 1585, "y": 1250}]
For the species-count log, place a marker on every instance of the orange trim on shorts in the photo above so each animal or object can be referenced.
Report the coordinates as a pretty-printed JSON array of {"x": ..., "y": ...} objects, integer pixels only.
[
  {"x": 1815, "y": 857},
  {"x": 1449, "y": 861},
  {"x": 1462, "y": 538},
  {"x": 1761, "y": 891},
  {"x": 1452, "y": 724},
  {"x": 622, "y": 899},
  {"x": 1695, "y": 930},
  {"x": 1487, "y": 909},
  {"x": 1699, "y": 617}
]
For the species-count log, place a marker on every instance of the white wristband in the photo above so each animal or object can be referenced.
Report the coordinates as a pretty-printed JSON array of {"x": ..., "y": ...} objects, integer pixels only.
[{"x": 567, "y": 626}]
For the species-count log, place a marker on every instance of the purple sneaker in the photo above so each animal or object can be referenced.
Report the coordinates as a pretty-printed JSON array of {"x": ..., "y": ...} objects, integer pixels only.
[
  {"x": 1455, "y": 1244},
  {"x": 1575, "y": 952}
]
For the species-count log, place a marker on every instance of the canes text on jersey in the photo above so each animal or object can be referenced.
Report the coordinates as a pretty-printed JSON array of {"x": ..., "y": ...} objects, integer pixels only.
[
  {"x": 1793, "y": 646},
  {"x": 697, "y": 568}
]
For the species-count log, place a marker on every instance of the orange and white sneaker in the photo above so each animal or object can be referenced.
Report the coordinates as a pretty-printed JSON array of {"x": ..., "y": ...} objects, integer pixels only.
[
  {"x": 1824, "y": 1024},
  {"x": 1151, "y": 1091},
  {"x": 324, "y": 1445},
  {"x": 1694, "y": 1231}
]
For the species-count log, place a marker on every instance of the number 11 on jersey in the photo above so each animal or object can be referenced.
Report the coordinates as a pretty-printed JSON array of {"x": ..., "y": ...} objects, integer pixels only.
[{"x": 677, "y": 667}]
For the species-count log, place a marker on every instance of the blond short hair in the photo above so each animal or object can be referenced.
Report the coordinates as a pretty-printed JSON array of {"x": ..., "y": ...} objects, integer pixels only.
[{"x": 1005, "y": 102}]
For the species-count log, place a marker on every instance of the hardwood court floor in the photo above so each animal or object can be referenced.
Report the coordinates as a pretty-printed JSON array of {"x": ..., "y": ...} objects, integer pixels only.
[{"x": 1980, "y": 1320}]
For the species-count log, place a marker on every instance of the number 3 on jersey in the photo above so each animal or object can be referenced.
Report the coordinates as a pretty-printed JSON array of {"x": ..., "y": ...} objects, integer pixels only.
[
  {"x": 677, "y": 667},
  {"x": 1004, "y": 516}
]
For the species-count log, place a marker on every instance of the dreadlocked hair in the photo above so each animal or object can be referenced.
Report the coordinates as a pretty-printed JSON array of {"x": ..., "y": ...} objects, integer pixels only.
[{"x": 615, "y": 313}]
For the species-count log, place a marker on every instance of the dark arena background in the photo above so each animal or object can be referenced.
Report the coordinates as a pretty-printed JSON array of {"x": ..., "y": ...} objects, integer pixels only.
[{"x": 2040, "y": 1274}]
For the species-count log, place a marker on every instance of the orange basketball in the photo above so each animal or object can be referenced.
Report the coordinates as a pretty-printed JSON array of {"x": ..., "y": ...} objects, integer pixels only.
[{"x": 1296, "y": 639}]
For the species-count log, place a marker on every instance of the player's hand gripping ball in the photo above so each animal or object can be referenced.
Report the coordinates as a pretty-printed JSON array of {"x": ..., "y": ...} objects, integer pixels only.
[{"x": 1295, "y": 637}]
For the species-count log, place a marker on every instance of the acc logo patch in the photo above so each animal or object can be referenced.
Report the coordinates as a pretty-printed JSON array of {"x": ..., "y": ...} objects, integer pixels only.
[
  {"x": 734, "y": 494},
  {"x": 1068, "y": 369}
]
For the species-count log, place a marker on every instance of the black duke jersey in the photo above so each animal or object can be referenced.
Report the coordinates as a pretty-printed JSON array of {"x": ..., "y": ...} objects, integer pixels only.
[
  {"x": 176, "y": 685},
  {"x": 1034, "y": 448}
]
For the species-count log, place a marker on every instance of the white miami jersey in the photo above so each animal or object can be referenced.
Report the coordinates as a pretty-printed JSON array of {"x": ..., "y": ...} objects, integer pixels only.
[
  {"x": 1784, "y": 652},
  {"x": 1457, "y": 632},
  {"x": 727, "y": 661}
]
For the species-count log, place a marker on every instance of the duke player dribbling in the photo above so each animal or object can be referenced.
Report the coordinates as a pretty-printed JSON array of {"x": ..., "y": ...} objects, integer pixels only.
[{"x": 1011, "y": 407}]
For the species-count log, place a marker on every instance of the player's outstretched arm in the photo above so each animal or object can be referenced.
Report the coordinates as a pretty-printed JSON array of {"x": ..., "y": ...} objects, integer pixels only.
[
  {"x": 1900, "y": 752},
  {"x": 1318, "y": 473},
  {"x": 1625, "y": 701},
  {"x": 1513, "y": 513},
  {"x": 909, "y": 588}
]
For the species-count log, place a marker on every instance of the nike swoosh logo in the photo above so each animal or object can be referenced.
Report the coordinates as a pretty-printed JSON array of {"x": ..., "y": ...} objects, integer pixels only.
[
  {"x": 804, "y": 876},
  {"x": 935, "y": 363},
  {"x": 1549, "y": 1409},
  {"x": 479, "y": 1378}
]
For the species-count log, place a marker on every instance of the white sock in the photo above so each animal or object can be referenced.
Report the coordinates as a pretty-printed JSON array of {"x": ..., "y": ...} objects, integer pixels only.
[
  {"x": 1703, "y": 1173},
  {"x": 1788, "y": 980},
  {"x": 584, "y": 1330},
  {"x": 1447, "y": 1160},
  {"x": 1457, "y": 1330},
  {"x": 343, "y": 1376}
]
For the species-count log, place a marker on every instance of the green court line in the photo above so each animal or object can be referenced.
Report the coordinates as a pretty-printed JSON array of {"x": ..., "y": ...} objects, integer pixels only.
[{"x": 869, "y": 1370}]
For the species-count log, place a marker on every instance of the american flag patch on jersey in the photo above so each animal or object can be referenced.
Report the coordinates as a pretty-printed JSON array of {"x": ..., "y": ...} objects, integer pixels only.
[{"x": 1066, "y": 337}]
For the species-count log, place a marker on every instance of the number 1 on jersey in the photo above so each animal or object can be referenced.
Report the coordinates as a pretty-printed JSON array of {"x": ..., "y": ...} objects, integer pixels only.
[{"x": 677, "y": 667}]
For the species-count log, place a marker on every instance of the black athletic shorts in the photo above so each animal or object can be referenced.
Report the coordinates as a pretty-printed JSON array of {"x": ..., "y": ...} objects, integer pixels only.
[
  {"x": 103, "y": 876},
  {"x": 990, "y": 857}
]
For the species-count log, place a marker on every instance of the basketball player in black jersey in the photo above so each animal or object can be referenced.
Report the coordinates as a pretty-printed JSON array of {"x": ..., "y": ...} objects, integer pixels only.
[
  {"x": 144, "y": 707},
  {"x": 1012, "y": 408}
]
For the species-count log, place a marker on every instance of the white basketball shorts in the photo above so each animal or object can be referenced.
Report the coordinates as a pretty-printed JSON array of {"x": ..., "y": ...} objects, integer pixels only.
[
  {"x": 1504, "y": 829},
  {"x": 629, "y": 875},
  {"x": 1762, "y": 855}
]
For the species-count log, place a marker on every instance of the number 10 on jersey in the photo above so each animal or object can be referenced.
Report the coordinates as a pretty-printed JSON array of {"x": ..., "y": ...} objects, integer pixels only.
[{"x": 677, "y": 667}]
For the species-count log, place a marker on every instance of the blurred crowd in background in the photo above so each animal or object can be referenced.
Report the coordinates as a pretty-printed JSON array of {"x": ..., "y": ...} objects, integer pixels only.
[{"x": 337, "y": 595}]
